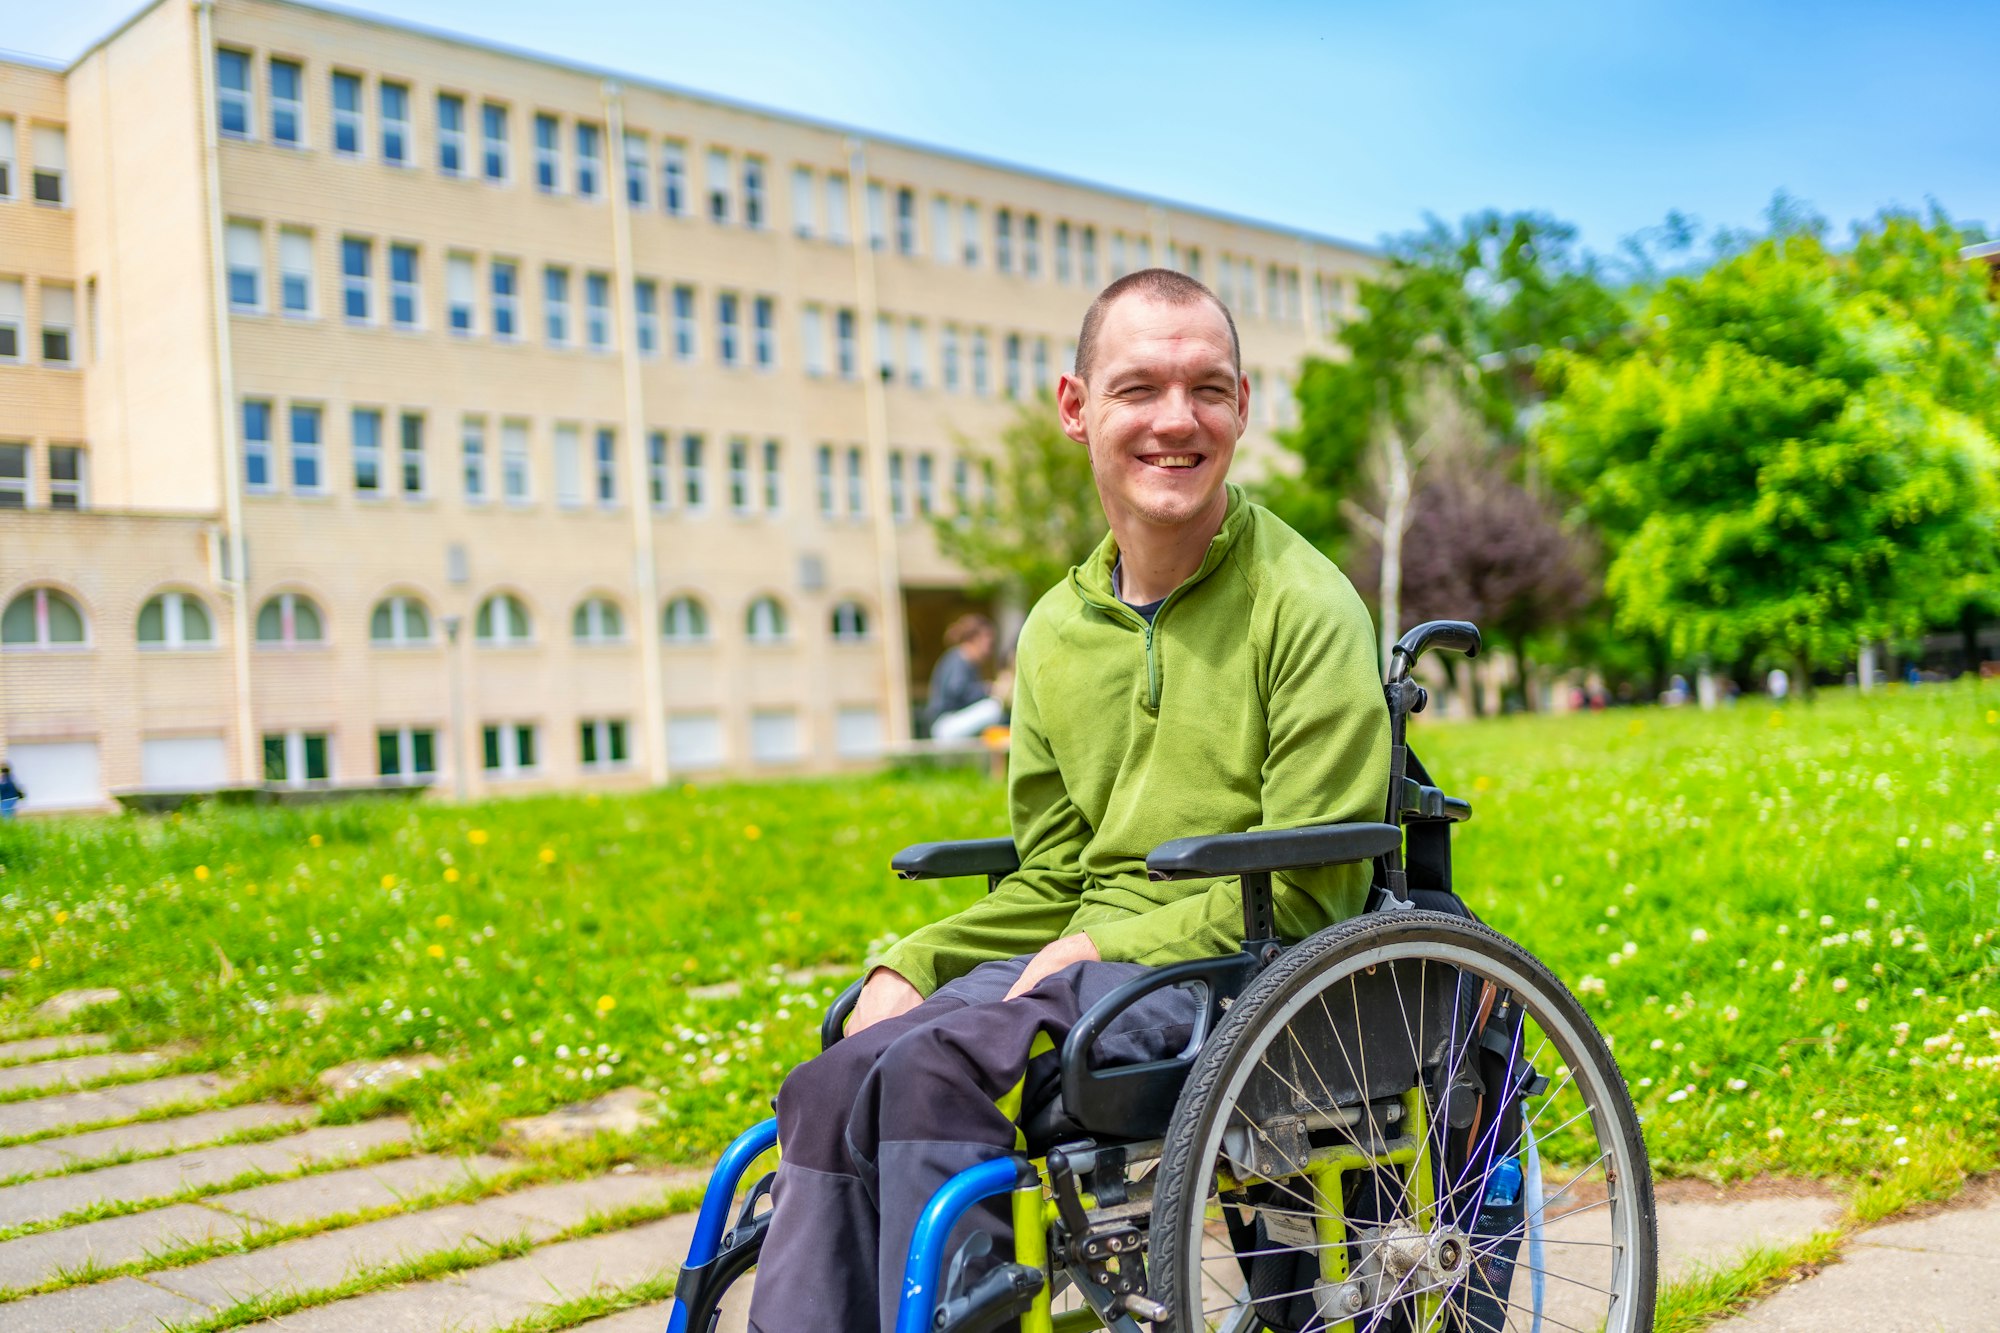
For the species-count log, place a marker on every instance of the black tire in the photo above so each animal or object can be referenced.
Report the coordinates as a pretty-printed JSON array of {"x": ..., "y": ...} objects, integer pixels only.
[{"x": 1333, "y": 993}]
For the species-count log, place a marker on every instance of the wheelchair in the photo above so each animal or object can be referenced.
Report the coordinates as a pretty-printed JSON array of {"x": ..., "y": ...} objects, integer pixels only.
[{"x": 1403, "y": 1124}]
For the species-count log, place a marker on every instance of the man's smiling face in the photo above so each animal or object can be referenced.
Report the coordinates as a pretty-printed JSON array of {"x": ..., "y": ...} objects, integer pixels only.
[{"x": 1161, "y": 412}]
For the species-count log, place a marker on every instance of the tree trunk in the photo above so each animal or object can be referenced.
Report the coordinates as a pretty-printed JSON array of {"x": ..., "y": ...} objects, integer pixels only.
[
  {"x": 1527, "y": 686},
  {"x": 1968, "y": 629},
  {"x": 1395, "y": 522},
  {"x": 1865, "y": 671}
]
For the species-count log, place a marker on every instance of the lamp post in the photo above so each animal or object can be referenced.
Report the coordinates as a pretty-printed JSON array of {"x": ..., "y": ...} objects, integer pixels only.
[{"x": 454, "y": 668}]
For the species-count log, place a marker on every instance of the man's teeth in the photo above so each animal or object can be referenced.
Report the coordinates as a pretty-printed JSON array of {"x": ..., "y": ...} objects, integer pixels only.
[{"x": 1176, "y": 460}]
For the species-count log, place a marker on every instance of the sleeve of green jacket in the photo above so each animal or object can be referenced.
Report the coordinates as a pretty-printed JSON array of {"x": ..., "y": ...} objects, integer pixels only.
[
  {"x": 1033, "y": 905},
  {"x": 1327, "y": 762}
]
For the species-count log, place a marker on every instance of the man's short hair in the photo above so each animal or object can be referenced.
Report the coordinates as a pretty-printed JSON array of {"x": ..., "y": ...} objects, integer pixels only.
[{"x": 1162, "y": 284}]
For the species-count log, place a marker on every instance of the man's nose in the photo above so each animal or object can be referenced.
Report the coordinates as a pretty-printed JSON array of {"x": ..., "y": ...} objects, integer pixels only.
[{"x": 1173, "y": 415}]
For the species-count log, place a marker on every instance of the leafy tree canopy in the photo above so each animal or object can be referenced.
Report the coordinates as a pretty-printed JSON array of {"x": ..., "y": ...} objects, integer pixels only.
[{"x": 1043, "y": 515}]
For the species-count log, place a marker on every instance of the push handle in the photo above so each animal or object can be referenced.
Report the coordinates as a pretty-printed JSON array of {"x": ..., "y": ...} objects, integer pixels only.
[{"x": 1460, "y": 636}]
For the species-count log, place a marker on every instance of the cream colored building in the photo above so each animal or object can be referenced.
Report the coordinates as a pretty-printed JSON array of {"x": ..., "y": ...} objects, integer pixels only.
[{"x": 376, "y": 403}]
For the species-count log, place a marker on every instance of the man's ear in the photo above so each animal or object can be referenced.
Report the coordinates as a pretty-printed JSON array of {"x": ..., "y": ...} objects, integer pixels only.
[{"x": 1070, "y": 394}]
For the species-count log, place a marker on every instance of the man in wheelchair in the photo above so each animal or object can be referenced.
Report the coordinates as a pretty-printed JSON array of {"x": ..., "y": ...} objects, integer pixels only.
[{"x": 1205, "y": 670}]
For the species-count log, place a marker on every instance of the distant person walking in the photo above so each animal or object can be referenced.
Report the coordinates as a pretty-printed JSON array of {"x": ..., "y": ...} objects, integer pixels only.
[
  {"x": 1779, "y": 684},
  {"x": 962, "y": 704},
  {"x": 11, "y": 792}
]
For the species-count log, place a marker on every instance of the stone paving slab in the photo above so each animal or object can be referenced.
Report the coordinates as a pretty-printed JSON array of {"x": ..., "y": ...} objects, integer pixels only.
[
  {"x": 41, "y": 1200},
  {"x": 75, "y": 1070},
  {"x": 123, "y": 1305},
  {"x": 554, "y": 1208},
  {"x": 1712, "y": 1232},
  {"x": 353, "y": 1190},
  {"x": 42, "y": 1114},
  {"x": 27, "y": 1260},
  {"x": 1932, "y": 1273},
  {"x": 40, "y": 1048},
  {"x": 187, "y": 1131}
]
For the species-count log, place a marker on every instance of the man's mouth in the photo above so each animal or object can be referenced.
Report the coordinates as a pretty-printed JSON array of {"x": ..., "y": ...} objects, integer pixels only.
[{"x": 1176, "y": 461}]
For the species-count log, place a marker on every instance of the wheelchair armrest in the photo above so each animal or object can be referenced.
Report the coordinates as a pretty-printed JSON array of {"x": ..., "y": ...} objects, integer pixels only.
[
  {"x": 833, "y": 1026},
  {"x": 1136, "y": 1101},
  {"x": 991, "y": 857},
  {"x": 1268, "y": 851}
]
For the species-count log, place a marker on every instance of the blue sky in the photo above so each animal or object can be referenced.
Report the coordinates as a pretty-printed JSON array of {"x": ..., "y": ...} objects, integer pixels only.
[{"x": 1347, "y": 118}]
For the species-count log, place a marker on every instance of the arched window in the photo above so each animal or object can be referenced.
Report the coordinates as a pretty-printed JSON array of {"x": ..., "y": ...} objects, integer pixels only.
[
  {"x": 42, "y": 618},
  {"x": 502, "y": 621},
  {"x": 597, "y": 620},
  {"x": 765, "y": 622},
  {"x": 175, "y": 620},
  {"x": 290, "y": 619},
  {"x": 850, "y": 622},
  {"x": 399, "y": 622},
  {"x": 684, "y": 621}
]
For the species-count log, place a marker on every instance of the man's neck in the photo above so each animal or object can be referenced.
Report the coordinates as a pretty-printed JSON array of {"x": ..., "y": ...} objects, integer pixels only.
[{"x": 1154, "y": 560}]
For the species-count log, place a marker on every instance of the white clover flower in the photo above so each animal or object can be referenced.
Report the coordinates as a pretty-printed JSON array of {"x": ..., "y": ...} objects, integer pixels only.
[
  {"x": 1698, "y": 935},
  {"x": 1738, "y": 1085},
  {"x": 1840, "y": 983}
]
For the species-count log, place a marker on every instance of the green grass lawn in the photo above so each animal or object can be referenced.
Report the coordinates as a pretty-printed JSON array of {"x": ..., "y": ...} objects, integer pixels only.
[{"x": 1788, "y": 920}]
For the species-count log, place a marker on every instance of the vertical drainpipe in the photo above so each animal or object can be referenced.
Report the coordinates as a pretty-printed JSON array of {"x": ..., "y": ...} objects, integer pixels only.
[
  {"x": 645, "y": 572},
  {"x": 888, "y": 570},
  {"x": 233, "y": 580}
]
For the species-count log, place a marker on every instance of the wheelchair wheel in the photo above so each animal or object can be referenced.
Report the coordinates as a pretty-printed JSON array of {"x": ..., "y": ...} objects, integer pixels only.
[{"x": 1405, "y": 1124}]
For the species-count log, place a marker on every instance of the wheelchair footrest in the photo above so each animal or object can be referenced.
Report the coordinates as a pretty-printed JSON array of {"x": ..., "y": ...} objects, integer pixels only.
[{"x": 1004, "y": 1293}]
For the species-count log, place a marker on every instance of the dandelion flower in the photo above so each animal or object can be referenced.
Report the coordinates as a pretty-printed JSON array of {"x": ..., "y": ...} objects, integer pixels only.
[
  {"x": 751, "y": 832},
  {"x": 547, "y": 855},
  {"x": 451, "y": 874},
  {"x": 1482, "y": 783},
  {"x": 388, "y": 881},
  {"x": 435, "y": 951},
  {"x": 477, "y": 837},
  {"x": 444, "y": 921},
  {"x": 34, "y": 962},
  {"x": 606, "y": 1003},
  {"x": 315, "y": 840},
  {"x": 201, "y": 873},
  {"x": 61, "y": 916}
]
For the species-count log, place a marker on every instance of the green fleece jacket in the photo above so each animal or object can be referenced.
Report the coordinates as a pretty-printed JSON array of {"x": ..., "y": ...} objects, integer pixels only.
[{"x": 1251, "y": 702}]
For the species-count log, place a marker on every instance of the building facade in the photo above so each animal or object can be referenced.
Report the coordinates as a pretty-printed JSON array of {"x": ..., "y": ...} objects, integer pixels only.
[{"x": 375, "y": 403}]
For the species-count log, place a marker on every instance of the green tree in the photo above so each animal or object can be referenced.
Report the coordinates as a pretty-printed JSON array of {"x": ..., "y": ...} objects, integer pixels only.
[
  {"x": 1799, "y": 454},
  {"x": 1043, "y": 515}
]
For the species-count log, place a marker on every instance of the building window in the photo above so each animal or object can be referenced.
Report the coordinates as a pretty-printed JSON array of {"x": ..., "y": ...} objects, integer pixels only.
[
  {"x": 406, "y": 754},
  {"x": 555, "y": 304},
  {"x": 764, "y": 333},
  {"x": 42, "y": 618},
  {"x": 823, "y": 480},
  {"x": 899, "y": 496},
  {"x": 58, "y": 324},
  {"x": 394, "y": 101},
  {"x": 961, "y": 487},
  {"x": 356, "y": 256},
  {"x": 601, "y": 744},
  {"x": 774, "y": 736},
  {"x": 1118, "y": 269},
  {"x": 739, "y": 476},
  {"x": 857, "y": 485},
  {"x": 404, "y": 304},
  {"x": 597, "y": 620},
  {"x": 753, "y": 193},
  {"x": 256, "y": 445},
  {"x": 515, "y": 478},
  {"x": 13, "y": 317},
  {"x": 941, "y": 230},
  {"x": 837, "y": 220},
  {"x": 802, "y": 203},
  {"x": 1013, "y": 381},
  {"x": 646, "y": 311},
  {"x": 6, "y": 157},
  {"x": 347, "y": 114},
  {"x": 727, "y": 335},
  {"x": 906, "y": 221},
  {"x": 982, "y": 379},
  {"x": 295, "y": 758},
  {"x": 243, "y": 248},
  {"x": 885, "y": 349},
  {"x": 399, "y": 622},
  {"x": 948, "y": 357},
  {"x": 850, "y": 622},
  {"x": 232, "y": 93},
  {"x": 415, "y": 475},
  {"x": 843, "y": 343},
  {"x": 1089, "y": 256},
  {"x": 878, "y": 217},
  {"x": 694, "y": 482},
  {"x": 15, "y": 481},
  {"x": 673, "y": 178},
  {"x": 365, "y": 435},
  {"x": 502, "y": 622},
  {"x": 472, "y": 457},
  {"x": 548, "y": 154},
  {"x": 968, "y": 230},
  {"x": 505, "y": 281},
  {"x": 656, "y": 469},
  {"x": 765, "y": 621},
  {"x": 774, "y": 477},
  {"x": 461, "y": 287},
  {"x": 508, "y": 749},
  {"x": 926, "y": 485},
  {"x": 290, "y": 620},
  {"x": 174, "y": 620},
  {"x": 1003, "y": 240},
  {"x": 569, "y": 466},
  {"x": 1063, "y": 269},
  {"x": 493, "y": 129},
  {"x": 1031, "y": 245},
  {"x": 51, "y": 165},
  {"x": 635, "y": 169},
  {"x": 597, "y": 310},
  {"x": 1041, "y": 365},
  {"x": 451, "y": 134},
  {"x": 305, "y": 423},
  {"x": 684, "y": 621},
  {"x": 295, "y": 271},
  {"x": 812, "y": 339},
  {"x": 718, "y": 185},
  {"x": 684, "y": 323},
  {"x": 288, "y": 112},
  {"x": 604, "y": 459},
  {"x": 589, "y": 159},
  {"x": 914, "y": 355}
]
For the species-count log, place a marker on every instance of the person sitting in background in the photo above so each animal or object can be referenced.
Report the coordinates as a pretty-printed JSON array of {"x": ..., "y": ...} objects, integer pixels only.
[
  {"x": 962, "y": 704},
  {"x": 11, "y": 794}
]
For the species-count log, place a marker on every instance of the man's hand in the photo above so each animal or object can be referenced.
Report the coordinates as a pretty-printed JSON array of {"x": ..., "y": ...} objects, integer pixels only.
[
  {"x": 1053, "y": 958},
  {"x": 885, "y": 994}
]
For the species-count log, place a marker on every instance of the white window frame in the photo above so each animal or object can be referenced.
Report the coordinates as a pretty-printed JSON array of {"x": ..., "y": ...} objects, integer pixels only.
[
  {"x": 949, "y": 378},
  {"x": 597, "y": 311},
  {"x": 548, "y": 153},
  {"x": 400, "y": 606},
  {"x": 19, "y": 492},
  {"x": 360, "y": 284},
  {"x": 603, "y": 622},
  {"x": 635, "y": 156},
  {"x": 646, "y": 315},
  {"x": 396, "y": 133},
  {"x": 44, "y": 642},
  {"x": 764, "y": 332},
  {"x": 673, "y": 178},
  {"x": 812, "y": 338},
  {"x": 406, "y": 292},
  {"x": 500, "y": 622},
  {"x": 685, "y": 622},
  {"x": 825, "y": 487},
  {"x": 941, "y": 249},
  {"x": 569, "y": 464},
  {"x": 740, "y": 498},
  {"x": 877, "y": 216},
  {"x": 173, "y": 624},
  {"x": 756, "y": 215},
  {"x": 242, "y": 101},
  {"x": 288, "y": 616},
  {"x": 366, "y": 452},
  {"x": 899, "y": 493},
  {"x": 659, "y": 481},
  {"x": 604, "y": 467},
  {"x": 413, "y": 463},
  {"x": 9, "y": 165},
  {"x": 805, "y": 204},
  {"x": 517, "y": 471},
  {"x": 291, "y": 272},
  {"x": 694, "y": 472},
  {"x": 510, "y": 747},
  {"x": 493, "y": 148},
  {"x": 295, "y": 756},
  {"x": 350, "y": 123},
  {"x": 687, "y": 323},
  {"x": 968, "y": 232},
  {"x": 773, "y": 459},
  {"x": 451, "y": 139},
  {"x": 243, "y": 248},
  {"x": 766, "y": 622},
  {"x": 311, "y": 451},
  {"x": 473, "y": 462},
  {"x": 555, "y": 305},
  {"x": 295, "y": 107},
  {"x": 507, "y": 304},
  {"x": 600, "y": 733},
  {"x": 721, "y": 192},
  {"x": 926, "y": 483},
  {"x": 589, "y": 140},
  {"x": 58, "y": 323},
  {"x": 846, "y": 355},
  {"x": 258, "y": 450},
  {"x": 837, "y": 219},
  {"x": 850, "y": 622},
  {"x": 728, "y": 328},
  {"x": 916, "y": 355},
  {"x": 461, "y": 295},
  {"x": 407, "y": 774},
  {"x": 857, "y": 484},
  {"x": 14, "y": 317}
]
